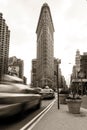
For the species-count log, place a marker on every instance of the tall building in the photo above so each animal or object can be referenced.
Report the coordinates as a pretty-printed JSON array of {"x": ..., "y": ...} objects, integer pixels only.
[
  {"x": 80, "y": 72},
  {"x": 55, "y": 73},
  {"x": 45, "y": 48},
  {"x": 83, "y": 64},
  {"x": 74, "y": 72},
  {"x": 76, "y": 67},
  {"x": 44, "y": 67},
  {"x": 33, "y": 73},
  {"x": 4, "y": 46},
  {"x": 77, "y": 61}
]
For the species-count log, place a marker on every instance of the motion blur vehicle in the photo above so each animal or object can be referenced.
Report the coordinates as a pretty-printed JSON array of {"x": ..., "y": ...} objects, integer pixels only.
[
  {"x": 47, "y": 93},
  {"x": 37, "y": 90},
  {"x": 16, "y": 97}
]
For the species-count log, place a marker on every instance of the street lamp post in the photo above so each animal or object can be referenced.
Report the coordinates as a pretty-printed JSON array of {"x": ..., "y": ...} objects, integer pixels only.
[{"x": 58, "y": 62}]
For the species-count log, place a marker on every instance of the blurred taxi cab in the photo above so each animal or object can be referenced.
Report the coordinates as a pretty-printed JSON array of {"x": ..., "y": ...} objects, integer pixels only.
[
  {"x": 47, "y": 93},
  {"x": 16, "y": 97}
]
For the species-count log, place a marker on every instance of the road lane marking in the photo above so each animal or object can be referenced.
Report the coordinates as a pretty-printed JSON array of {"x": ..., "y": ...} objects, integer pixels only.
[
  {"x": 36, "y": 119},
  {"x": 30, "y": 128}
]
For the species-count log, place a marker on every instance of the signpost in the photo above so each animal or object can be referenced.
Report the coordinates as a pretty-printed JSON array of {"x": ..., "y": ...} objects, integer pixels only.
[{"x": 58, "y": 62}]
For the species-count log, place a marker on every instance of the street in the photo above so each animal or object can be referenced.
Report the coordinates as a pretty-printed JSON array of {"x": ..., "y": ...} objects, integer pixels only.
[
  {"x": 20, "y": 120},
  {"x": 61, "y": 119}
]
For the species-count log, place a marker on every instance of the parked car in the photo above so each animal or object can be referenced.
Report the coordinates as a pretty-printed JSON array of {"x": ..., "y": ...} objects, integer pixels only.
[
  {"x": 47, "y": 93},
  {"x": 17, "y": 97}
]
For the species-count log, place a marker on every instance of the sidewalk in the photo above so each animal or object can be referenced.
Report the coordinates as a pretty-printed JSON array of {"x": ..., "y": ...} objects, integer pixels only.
[{"x": 62, "y": 120}]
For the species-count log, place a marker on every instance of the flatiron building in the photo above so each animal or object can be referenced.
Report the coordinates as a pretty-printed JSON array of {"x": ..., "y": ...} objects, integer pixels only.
[{"x": 45, "y": 48}]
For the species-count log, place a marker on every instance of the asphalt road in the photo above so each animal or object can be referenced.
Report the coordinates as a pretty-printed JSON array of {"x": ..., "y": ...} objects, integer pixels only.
[{"x": 18, "y": 121}]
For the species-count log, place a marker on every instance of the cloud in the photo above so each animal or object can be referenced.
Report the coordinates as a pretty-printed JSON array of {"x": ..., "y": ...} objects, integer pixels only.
[{"x": 78, "y": 10}]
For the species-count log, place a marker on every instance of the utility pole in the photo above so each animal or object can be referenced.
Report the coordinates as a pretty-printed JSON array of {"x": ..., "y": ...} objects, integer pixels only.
[{"x": 58, "y": 62}]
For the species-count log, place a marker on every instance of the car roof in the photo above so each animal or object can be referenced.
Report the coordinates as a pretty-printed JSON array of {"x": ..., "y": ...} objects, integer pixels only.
[
  {"x": 14, "y": 88},
  {"x": 14, "y": 79}
]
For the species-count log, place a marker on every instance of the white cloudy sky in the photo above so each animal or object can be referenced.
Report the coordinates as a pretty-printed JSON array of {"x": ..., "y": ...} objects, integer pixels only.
[{"x": 70, "y": 23}]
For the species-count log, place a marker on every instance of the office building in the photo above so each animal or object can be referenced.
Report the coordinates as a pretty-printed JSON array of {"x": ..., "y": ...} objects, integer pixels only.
[
  {"x": 4, "y": 46},
  {"x": 44, "y": 67},
  {"x": 45, "y": 48},
  {"x": 33, "y": 73},
  {"x": 83, "y": 64}
]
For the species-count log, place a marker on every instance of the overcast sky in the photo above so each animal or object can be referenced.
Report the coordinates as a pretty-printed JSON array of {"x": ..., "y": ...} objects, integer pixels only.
[{"x": 70, "y": 23}]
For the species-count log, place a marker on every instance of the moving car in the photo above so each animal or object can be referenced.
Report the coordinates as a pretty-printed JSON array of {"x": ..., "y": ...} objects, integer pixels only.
[
  {"x": 47, "y": 93},
  {"x": 17, "y": 97},
  {"x": 36, "y": 90}
]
